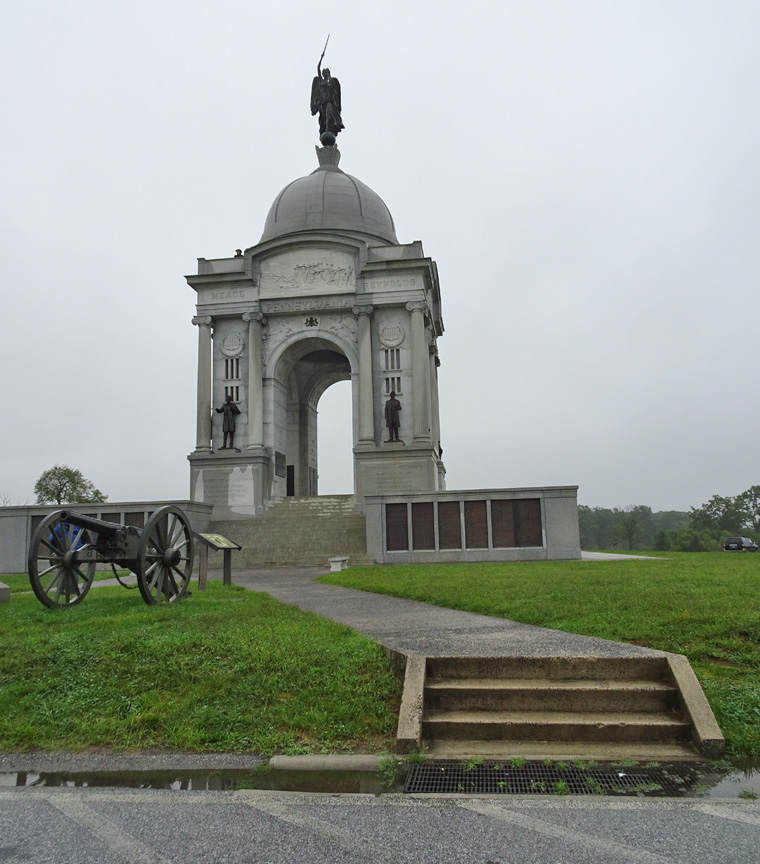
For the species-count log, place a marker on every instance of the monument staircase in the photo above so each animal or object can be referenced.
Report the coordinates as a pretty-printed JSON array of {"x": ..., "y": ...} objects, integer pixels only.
[
  {"x": 584, "y": 707},
  {"x": 299, "y": 530}
]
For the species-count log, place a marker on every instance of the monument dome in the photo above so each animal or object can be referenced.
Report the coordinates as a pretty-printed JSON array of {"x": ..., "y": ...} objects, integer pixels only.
[{"x": 328, "y": 199}]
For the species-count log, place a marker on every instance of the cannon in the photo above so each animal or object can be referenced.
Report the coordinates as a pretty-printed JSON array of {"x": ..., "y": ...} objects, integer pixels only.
[{"x": 66, "y": 547}]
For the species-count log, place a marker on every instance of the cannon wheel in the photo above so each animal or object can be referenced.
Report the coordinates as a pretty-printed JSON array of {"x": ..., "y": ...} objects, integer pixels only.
[
  {"x": 165, "y": 556},
  {"x": 58, "y": 577}
]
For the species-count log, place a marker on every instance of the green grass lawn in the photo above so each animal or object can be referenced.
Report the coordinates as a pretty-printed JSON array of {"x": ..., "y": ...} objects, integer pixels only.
[
  {"x": 224, "y": 670},
  {"x": 703, "y": 605},
  {"x": 19, "y": 582}
]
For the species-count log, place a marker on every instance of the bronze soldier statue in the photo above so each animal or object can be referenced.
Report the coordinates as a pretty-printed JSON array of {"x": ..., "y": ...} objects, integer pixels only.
[
  {"x": 230, "y": 411},
  {"x": 392, "y": 408}
]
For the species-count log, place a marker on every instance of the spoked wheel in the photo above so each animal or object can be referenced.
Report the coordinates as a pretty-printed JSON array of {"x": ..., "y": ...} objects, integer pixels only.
[
  {"x": 165, "y": 556},
  {"x": 59, "y": 578}
]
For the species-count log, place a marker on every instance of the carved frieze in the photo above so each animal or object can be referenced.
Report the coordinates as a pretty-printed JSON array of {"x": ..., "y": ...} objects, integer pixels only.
[
  {"x": 280, "y": 328},
  {"x": 344, "y": 327},
  {"x": 317, "y": 304},
  {"x": 397, "y": 282},
  {"x": 213, "y": 294},
  {"x": 277, "y": 331},
  {"x": 307, "y": 271}
]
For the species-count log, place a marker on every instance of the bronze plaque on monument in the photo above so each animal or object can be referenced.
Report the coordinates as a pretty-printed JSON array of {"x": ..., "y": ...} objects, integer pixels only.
[
  {"x": 423, "y": 526},
  {"x": 396, "y": 528}
]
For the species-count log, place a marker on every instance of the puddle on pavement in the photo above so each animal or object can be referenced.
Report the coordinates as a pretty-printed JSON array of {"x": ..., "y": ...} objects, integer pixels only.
[
  {"x": 685, "y": 779},
  {"x": 356, "y": 782}
]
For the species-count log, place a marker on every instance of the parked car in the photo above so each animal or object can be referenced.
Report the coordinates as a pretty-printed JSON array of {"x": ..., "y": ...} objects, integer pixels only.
[{"x": 740, "y": 544}]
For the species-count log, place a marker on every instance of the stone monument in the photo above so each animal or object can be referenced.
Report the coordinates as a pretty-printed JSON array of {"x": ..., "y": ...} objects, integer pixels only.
[{"x": 327, "y": 294}]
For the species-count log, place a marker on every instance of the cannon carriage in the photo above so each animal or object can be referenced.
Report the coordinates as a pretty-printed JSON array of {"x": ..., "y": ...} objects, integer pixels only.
[{"x": 66, "y": 548}]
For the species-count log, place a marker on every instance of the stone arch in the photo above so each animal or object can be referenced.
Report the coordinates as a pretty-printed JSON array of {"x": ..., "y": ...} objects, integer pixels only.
[{"x": 298, "y": 372}]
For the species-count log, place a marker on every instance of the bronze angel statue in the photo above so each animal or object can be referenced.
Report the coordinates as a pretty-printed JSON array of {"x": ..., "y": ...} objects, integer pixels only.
[{"x": 325, "y": 99}]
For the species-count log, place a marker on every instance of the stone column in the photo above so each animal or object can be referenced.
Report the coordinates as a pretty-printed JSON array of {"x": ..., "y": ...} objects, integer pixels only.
[
  {"x": 366, "y": 389},
  {"x": 203, "y": 427},
  {"x": 420, "y": 372},
  {"x": 255, "y": 380}
]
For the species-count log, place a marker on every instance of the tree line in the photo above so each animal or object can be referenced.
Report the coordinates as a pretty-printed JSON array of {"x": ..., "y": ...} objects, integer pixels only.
[{"x": 701, "y": 529}]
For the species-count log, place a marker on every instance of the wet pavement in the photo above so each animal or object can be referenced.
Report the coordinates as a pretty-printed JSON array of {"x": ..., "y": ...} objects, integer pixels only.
[{"x": 73, "y": 826}]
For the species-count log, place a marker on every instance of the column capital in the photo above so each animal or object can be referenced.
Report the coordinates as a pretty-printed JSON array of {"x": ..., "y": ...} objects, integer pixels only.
[
  {"x": 202, "y": 319},
  {"x": 362, "y": 310},
  {"x": 255, "y": 316},
  {"x": 417, "y": 306}
]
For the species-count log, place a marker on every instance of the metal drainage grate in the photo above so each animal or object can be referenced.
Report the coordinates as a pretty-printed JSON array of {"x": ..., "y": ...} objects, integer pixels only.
[{"x": 515, "y": 777}]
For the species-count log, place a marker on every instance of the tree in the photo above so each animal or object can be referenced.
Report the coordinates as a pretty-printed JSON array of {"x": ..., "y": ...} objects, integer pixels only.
[
  {"x": 63, "y": 485},
  {"x": 725, "y": 515},
  {"x": 751, "y": 501},
  {"x": 631, "y": 523}
]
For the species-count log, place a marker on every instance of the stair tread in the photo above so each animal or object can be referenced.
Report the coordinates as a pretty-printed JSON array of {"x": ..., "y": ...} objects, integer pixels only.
[
  {"x": 599, "y": 750},
  {"x": 555, "y": 717},
  {"x": 547, "y": 684}
]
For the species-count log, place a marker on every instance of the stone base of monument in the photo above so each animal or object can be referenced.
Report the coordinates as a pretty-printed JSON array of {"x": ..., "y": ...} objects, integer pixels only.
[
  {"x": 300, "y": 531},
  {"x": 235, "y": 482},
  {"x": 5, "y": 593},
  {"x": 397, "y": 469}
]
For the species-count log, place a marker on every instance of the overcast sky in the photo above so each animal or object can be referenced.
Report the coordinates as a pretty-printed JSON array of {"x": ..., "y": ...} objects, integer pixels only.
[{"x": 586, "y": 175}]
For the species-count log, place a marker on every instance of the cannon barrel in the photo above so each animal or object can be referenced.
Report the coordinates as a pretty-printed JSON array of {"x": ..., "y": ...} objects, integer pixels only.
[{"x": 83, "y": 521}]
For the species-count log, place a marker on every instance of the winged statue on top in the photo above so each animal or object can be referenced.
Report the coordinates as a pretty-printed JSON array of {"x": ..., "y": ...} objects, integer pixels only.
[{"x": 325, "y": 100}]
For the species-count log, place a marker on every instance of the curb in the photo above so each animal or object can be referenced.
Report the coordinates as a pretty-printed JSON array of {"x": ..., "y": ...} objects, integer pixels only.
[{"x": 352, "y": 762}]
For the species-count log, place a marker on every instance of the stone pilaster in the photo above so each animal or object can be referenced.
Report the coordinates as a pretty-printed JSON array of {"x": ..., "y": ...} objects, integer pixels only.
[
  {"x": 420, "y": 372},
  {"x": 434, "y": 406},
  {"x": 366, "y": 389},
  {"x": 255, "y": 321},
  {"x": 203, "y": 425}
]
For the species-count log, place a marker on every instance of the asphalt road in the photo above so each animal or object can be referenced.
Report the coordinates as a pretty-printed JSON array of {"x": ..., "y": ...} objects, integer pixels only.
[{"x": 104, "y": 826}]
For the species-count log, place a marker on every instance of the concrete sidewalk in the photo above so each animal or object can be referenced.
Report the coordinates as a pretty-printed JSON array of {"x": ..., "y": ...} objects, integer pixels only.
[{"x": 410, "y": 627}]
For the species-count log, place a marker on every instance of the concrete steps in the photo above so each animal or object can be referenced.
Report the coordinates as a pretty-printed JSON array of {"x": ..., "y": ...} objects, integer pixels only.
[
  {"x": 553, "y": 726},
  {"x": 474, "y": 694},
  {"x": 299, "y": 531},
  {"x": 568, "y": 707}
]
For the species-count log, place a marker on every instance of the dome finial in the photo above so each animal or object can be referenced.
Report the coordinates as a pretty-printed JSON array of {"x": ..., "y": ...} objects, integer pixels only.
[{"x": 328, "y": 155}]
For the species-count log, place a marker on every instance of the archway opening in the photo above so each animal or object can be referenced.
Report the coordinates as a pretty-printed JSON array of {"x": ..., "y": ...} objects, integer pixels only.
[
  {"x": 310, "y": 368},
  {"x": 336, "y": 440}
]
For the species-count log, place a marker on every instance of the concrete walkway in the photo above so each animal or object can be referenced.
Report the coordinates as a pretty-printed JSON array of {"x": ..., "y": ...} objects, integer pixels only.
[{"x": 410, "y": 627}]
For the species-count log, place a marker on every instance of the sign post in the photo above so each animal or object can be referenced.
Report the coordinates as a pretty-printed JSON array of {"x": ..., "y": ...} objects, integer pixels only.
[{"x": 219, "y": 544}]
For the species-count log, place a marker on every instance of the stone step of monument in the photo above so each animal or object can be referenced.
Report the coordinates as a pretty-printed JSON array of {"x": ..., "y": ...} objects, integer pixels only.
[
  {"x": 300, "y": 530},
  {"x": 571, "y": 703},
  {"x": 639, "y": 751},
  {"x": 602, "y": 695},
  {"x": 548, "y": 668},
  {"x": 554, "y": 726}
]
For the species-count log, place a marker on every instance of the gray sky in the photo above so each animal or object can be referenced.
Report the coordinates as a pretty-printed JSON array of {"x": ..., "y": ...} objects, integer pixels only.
[{"x": 584, "y": 173}]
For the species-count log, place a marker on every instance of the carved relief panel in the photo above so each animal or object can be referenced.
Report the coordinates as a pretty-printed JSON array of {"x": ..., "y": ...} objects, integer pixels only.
[{"x": 303, "y": 272}]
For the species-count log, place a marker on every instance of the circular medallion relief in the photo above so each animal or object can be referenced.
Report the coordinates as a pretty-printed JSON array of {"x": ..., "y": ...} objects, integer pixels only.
[
  {"x": 232, "y": 345},
  {"x": 391, "y": 335}
]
